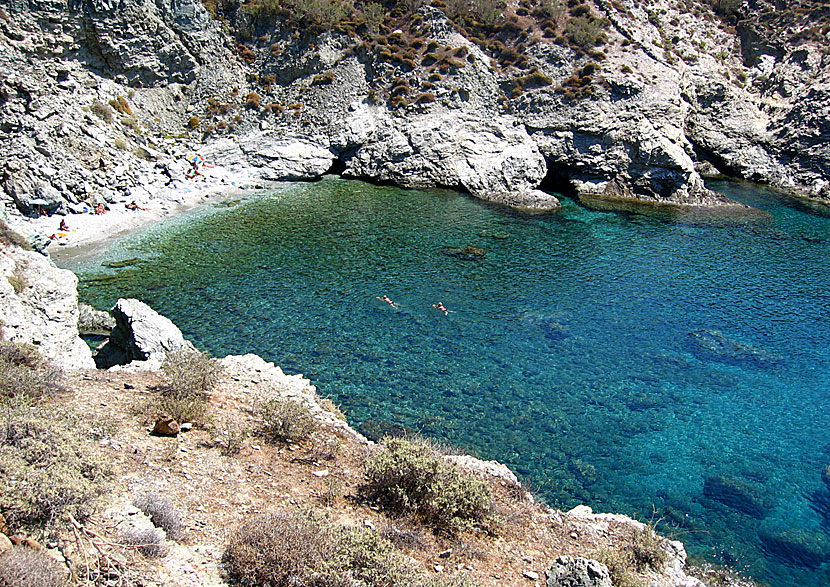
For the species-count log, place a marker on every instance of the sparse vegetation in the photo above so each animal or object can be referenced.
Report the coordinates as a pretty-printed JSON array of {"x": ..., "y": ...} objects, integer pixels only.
[
  {"x": 24, "y": 374},
  {"x": 189, "y": 371},
  {"x": 121, "y": 105},
  {"x": 149, "y": 542},
  {"x": 18, "y": 279},
  {"x": 21, "y": 566},
  {"x": 410, "y": 477},
  {"x": 11, "y": 238},
  {"x": 163, "y": 514},
  {"x": 102, "y": 111},
  {"x": 47, "y": 468},
  {"x": 252, "y": 101},
  {"x": 285, "y": 419},
  {"x": 297, "y": 548}
]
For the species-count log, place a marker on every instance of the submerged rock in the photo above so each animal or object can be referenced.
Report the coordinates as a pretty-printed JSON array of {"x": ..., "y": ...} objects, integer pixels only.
[
  {"x": 800, "y": 547},
  {"x": 714, "y": 345},
  {"x": 737, "y": 494},
  {"x": 468, "y": 253}
]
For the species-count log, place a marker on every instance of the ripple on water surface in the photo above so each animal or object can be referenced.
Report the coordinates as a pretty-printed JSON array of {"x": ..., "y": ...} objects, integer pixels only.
[{"x": 673, "y": 367}]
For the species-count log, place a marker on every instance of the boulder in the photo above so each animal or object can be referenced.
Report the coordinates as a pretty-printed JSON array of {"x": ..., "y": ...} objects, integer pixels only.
[
  {"x": 92, "y": 321},
  {"x": 166, "y": 426},
  {"x": 568, "y": 571},
  {"x": 287, "y": 160},
  {"x": 39, "y": 306},
  {"x": 5, "y": 543},
  {"x": 140, "y": 334},
  {"x": 737, "y": 494}
]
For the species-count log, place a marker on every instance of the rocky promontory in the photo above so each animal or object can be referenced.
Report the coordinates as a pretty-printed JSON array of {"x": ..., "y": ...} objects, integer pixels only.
[{"x": 106, "y": 102}]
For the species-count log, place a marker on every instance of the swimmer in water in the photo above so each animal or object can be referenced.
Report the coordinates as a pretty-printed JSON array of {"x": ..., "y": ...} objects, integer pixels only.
[
  {"x": 387, "y": 300},
  {"x": 443, "y": 308}
]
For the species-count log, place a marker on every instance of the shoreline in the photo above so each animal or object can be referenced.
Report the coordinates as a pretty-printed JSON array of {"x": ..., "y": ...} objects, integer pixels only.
[{"x": 88, "y": 232}]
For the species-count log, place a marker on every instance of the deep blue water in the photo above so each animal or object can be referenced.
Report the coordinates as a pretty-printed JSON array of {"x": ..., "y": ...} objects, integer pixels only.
[{"x": 618, "y": 360}]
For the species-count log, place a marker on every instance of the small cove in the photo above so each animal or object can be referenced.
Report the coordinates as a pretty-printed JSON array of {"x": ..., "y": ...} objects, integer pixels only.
[{"x": 635, "y": 363}]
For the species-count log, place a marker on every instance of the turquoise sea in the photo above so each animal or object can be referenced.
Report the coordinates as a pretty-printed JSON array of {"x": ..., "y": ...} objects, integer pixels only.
[{"x": 673, "y": 367}]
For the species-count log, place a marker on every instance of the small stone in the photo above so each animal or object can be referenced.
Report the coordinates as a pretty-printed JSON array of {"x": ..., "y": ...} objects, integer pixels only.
[
  {"x": 321, "y": 473},
  {"x": 438, "y": 568},
  {"x": 445, "y": 554},
  {"x": 255, "y": 447},
  {"x": 532, "y": 575},
  {"x": 187, "y": 426},
  {"x": 574, "y": 535},
  {"x": 368, "y": 524},
  {"x": 129, "y": 386},
  {"x": 166, "y": 427}
]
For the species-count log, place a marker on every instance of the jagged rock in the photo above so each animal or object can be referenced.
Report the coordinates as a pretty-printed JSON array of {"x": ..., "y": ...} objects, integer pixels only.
[
  {"x": 140, "y": 334},
  {"x": 569, "y": 571},
  {"x": 4, "y": 529},
  {"x": 5, "y": 543},
  {"x": 92, "y": 321},
  {"x": 737, "y": 494},
  {"x": 39, "y": 306},
  {"x": 166, "y": 426},
  {"x": 487, "y": 468}
]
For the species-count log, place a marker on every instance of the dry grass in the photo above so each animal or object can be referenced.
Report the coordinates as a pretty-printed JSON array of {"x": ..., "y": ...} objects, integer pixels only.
[
  {"x": 286, "y": 419},
  {"x": 162, "y": 513},
  {"x": 25, "y": 567}
]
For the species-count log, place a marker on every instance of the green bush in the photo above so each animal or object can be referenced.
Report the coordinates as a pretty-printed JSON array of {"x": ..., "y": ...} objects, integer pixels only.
[
  {"x": 21, "y": 566},
  {"x": 286, "y": 419},
  {"x": 410, "y": 477},
  {"x": 47, "y": 469},
  {"x": 646, "y": 549},
  {"x": 585, "y": 32}
]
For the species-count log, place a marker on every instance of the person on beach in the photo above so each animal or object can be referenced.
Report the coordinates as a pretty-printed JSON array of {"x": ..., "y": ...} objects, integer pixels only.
[
  {"x": 387, "y": 300},
  {"x": 440, "y": 306},
  {"x": 100, "y": 209},
  {"x": 133, "y": 206},
  {"x": 64, "y": 227}
]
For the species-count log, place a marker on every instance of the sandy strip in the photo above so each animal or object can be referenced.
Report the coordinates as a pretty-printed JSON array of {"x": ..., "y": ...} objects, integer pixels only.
[{"x": 89, "y": 233}]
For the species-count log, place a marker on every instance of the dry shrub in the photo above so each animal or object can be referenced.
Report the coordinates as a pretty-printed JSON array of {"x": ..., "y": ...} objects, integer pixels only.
[
  {"x": 188, "y": 376},
  {"x": 646, "y": 549},
  {"x": 149, "y": 541},
  {"x": 300, "y": 549},
  {"x": 162, "y": 513},
  {"x": 11, "y": 238},
  {"x": 102, "y": 111},
  {"x": 48, "y": 470},
  {"x": 190, "y": 371},
  {"x": 21, "y": 566},
  {"x": 410, "y": 477},
  {"x": 286, "y": 419},
  {"x": 229, "y": 437},
  {"x": 18, "y": 279},
  {"x": 121, "y": 105},
  {"x": 25, "y": 373}
]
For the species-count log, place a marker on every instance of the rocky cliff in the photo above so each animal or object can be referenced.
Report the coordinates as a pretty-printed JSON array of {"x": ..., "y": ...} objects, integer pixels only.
[{"x": 103, "y": 101}]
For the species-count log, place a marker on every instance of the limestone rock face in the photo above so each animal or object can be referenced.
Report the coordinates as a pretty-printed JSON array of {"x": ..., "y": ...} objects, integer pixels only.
[
  {"x": 141, "y": 333},
  {"x": 287, "y": 159},
  {"x": 92, "y": 321},
  {"x": 491, "y": 158},
  {"x": 570, "y": 571},
  {"x": 39, "y": 306}
]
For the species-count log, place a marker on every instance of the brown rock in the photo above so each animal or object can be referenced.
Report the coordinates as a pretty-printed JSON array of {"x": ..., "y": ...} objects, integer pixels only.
[
  {"x": 166, "y": 427},
  {"x": 5, "y": 543},
  {"x": 27, "y": 542},
  {"x": 4, "y": 529}
]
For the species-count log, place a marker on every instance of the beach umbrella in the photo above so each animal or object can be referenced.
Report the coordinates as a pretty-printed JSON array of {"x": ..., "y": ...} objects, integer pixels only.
[
  {"x": 39, "y": 202},
  {"x": 197, "y": 159}
]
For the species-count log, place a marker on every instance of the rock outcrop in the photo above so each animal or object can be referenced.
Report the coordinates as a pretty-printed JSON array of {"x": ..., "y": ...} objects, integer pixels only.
[
  {"x": 39, "y": 306},
  {"x": 568, "y": 571},
  {"x": 104, "y": 103},
  {"x": 140, "y": 334}
]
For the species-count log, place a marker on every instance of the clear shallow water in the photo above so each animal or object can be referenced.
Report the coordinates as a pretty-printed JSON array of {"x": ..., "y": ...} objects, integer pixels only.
[{"x": 618, "y": 360}]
